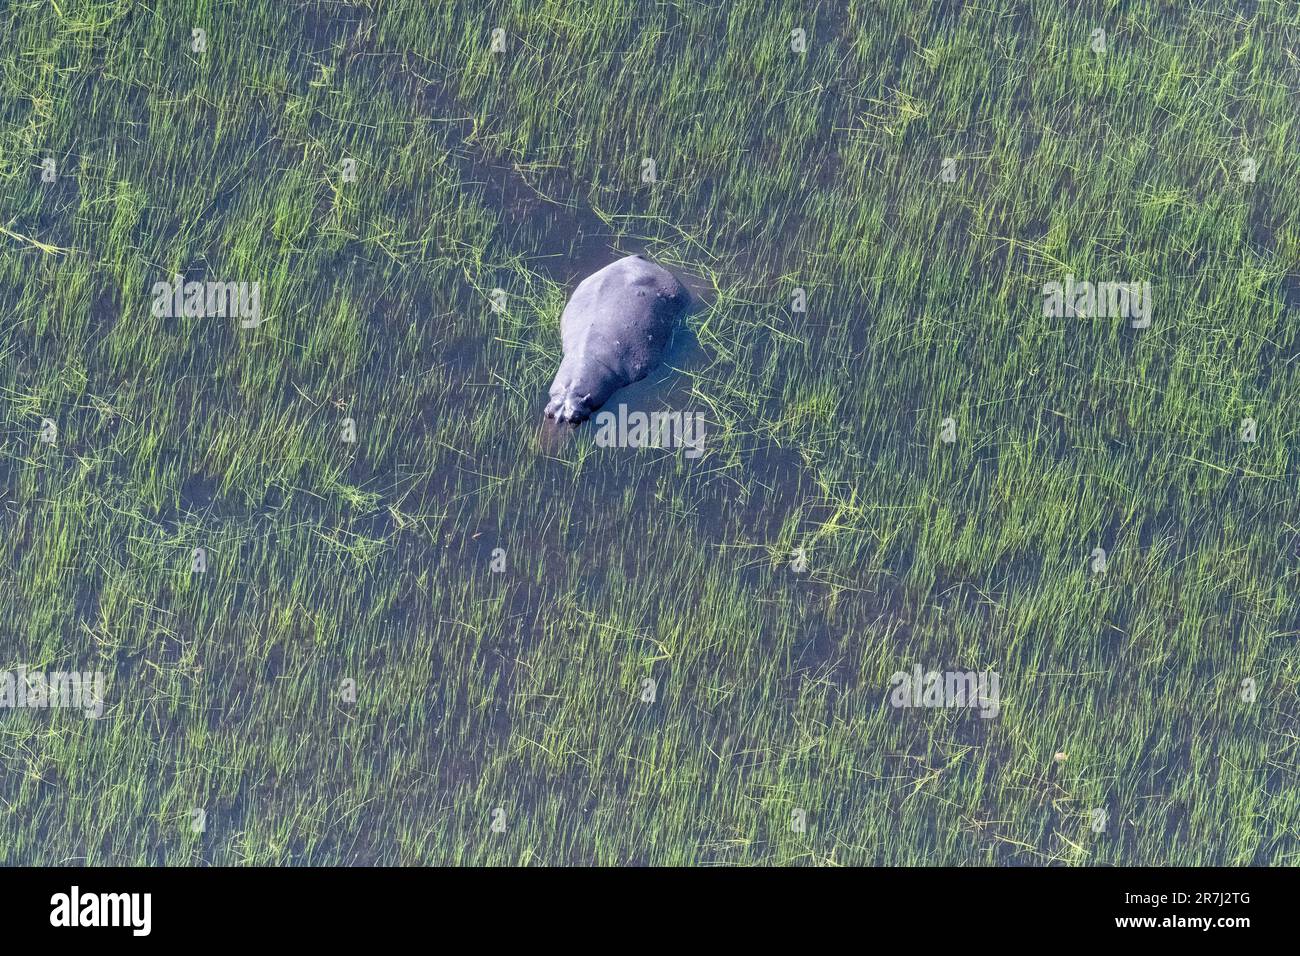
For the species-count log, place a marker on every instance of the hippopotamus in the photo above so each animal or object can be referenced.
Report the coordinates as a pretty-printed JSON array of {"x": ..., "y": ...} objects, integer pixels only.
[{"x": 615, "y": 329}]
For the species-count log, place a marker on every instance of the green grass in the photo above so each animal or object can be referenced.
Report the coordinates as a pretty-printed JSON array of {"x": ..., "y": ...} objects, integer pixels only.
[{"x": 331, "y": 561}]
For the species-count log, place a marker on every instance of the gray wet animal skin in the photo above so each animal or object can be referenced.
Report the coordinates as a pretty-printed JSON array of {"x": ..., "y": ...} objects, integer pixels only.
[{"x": 615, "y": 329}]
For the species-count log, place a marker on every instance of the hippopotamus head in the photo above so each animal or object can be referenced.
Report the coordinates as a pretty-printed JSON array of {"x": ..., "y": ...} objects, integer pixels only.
[{"x": 579, "y": 389}]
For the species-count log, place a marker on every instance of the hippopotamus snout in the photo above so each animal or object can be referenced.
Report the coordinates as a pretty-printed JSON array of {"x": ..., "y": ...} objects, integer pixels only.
[{"x": 567, "y": 407}]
